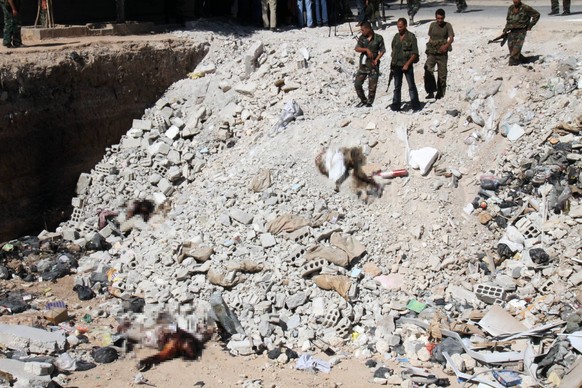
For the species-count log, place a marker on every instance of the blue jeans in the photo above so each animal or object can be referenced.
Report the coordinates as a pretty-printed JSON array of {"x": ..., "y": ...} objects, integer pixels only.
[
  {"x": 307, "y": 11},
  {"x": 398, "y": 75},
  {"x": 361, "y": 10},
  {"x": 321, "y": 11}
]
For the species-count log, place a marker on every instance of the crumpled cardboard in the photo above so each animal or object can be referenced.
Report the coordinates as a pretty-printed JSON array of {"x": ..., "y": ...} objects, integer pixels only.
[
  {"x": 219, "y": 278},
  {"x": 348, "y": 244},
  {"x": 246, "y": 266},
  {"x": 339, "y": 283},
  {"x": 261, "y": 181},
  {"x": 189, "y": 249},
  {"x": 286, "y": 223}
]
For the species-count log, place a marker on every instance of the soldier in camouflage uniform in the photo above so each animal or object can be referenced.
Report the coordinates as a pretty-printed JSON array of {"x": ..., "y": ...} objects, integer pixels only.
[
  {"x": 461, "y": 6},
  {"x": 520, "y": 19},
  {"x": 441, "y": 36},
  {"x": 371, "y": 48},
  {"x": 413, "y": 7},
  {"x": 404, "y": 55},
  {"x": 12, "y": 23},
  {"x": 556, "y": 7}
]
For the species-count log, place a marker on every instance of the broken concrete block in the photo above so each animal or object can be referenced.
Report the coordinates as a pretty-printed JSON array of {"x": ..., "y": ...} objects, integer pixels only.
[
  {"x": 205, "y": 68},
  {"x": 423, "y": 159},
  {"x": 39, "y": 368},
  {"x": 31, "y": 339},
  {"x": 172, "y": 132},
  {"x": 267, "y": 240},
  {"x": 144, "y": 125},
  {"x": 130, "y": 142},
  {"x": 165, "y": 186},
  {"x": 247, "y": 89},
  {"x": 575, "y": 211},
  {"x": 83, "y": 183},
  {"x": 240, "y": 348},
  {"x": 240, "y": 216},
  {"x": 159, "y": 148},
  {"x": 514, "y": 132},
  {"x": 289, "y": 86},
  {"x": 224, "y": 86},
  {"x": 17, "y": 369},
  {"x": 251, "y": 57}
]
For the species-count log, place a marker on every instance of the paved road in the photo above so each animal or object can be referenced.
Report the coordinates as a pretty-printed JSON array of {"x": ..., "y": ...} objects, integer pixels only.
[{"x": 495, "y": 10}]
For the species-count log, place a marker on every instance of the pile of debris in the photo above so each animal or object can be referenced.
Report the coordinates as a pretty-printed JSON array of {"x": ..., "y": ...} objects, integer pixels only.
[{"x": 189, "y": 215}]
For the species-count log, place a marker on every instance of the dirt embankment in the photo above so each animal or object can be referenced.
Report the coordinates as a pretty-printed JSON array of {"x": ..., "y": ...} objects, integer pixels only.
[{"x": 59, "y": 109}]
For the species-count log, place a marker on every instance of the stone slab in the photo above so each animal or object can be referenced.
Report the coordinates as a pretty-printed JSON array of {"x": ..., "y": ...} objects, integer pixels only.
[
  {"x": 23, "y": 378},
  {"x": 31, "y": 339}
]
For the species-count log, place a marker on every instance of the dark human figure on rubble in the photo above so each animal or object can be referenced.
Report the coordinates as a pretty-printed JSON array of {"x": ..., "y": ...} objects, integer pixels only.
[
  {"x": 12, "y": 23},
  {"x": 373, "y": 12},
  {"x": 371, "y": 48},
  {"x": 520, "y": 19},
  {"x": 441, "y": 36},
  {"x": 461, "y": 6},
  {"x": 120, "y": 11},
  {"x": 404, "y": 55},
  {"x": 556, "y": 7},
  {"x": 413, "y": 7}
]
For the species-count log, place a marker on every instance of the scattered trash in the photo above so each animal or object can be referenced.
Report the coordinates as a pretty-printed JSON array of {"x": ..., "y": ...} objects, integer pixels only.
[
  {"x": 104, "y": 355},
  {"x": 308, "y": 362},
  {"x": 291, "y": 111},
  {"x": 84, "y": 292}
]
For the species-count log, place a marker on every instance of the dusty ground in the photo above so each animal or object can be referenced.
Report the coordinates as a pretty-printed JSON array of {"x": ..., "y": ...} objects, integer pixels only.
[{"x": 217, "y": 368}]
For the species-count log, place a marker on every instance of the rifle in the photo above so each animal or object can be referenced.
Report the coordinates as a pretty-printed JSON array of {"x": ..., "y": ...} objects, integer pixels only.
[
  {"x": 390, "y": 78},
  {"x": 502, "y": 38}
]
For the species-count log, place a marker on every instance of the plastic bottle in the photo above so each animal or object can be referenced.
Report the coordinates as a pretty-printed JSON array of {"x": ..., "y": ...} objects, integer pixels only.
[{"x": 392, "y": 174}]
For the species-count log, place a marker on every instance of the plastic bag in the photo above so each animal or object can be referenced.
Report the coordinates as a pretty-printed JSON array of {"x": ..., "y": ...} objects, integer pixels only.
[{"x": 290, "y": 112}]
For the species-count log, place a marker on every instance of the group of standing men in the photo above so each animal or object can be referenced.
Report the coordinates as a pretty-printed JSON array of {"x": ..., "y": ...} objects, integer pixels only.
[
  {"x": 404, "y": 55},
  {"x": 520, "y": 19}
]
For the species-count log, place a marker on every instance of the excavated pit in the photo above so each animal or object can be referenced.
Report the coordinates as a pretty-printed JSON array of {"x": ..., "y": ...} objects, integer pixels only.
[{"x": 57, "y": 116}]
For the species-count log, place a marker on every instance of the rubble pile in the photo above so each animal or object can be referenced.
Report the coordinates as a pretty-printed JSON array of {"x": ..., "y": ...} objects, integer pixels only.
[{"x": 247, "y": 232}]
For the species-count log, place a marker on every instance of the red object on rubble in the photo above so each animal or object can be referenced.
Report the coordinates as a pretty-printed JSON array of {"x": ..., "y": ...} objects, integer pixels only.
[{"x": 392, "y": 174}]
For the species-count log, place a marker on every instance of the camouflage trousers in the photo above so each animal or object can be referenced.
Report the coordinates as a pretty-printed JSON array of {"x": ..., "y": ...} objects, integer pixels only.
[
  {"x": 12, "y": 24},
  {"x": 515, "y": 41},
  {"x": 461, "y": 5},
  {"x": 413, "y": 7},
  {"x": 361, "y": 76},
  {"x": 430, "y": 84},
  {"x": 556, "y": 6}
]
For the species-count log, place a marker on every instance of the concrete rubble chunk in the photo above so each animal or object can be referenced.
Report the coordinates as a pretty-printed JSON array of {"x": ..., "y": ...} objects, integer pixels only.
[
  {"x": 205, "y": 68},
  {"x": 31, "y": 339},
  {"x": 267, "y": 240},
  {"x": 159, "y": 148},
  {"x": 144, "y": 125},
  {"x": 83, "y": 183},
  {"x": 21, "y": 371},
  {"x": 241, "y": 216},
  {"x": 422, "y": 159},
  {"x": 246, "y": 89}
]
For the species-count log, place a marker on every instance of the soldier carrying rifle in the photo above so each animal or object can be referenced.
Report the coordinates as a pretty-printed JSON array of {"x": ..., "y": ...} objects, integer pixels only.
[
  {"x": 520, "y": 19},
  {"x": 371, "y": 48}
]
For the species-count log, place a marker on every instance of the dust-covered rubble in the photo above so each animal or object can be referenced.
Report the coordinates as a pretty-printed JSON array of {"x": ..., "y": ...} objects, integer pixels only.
[{"x": 241, "y": 210}]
